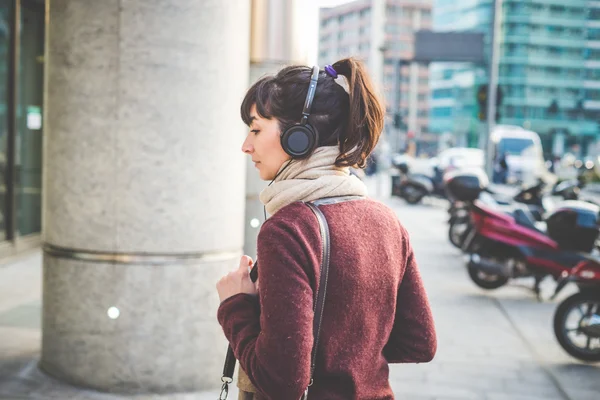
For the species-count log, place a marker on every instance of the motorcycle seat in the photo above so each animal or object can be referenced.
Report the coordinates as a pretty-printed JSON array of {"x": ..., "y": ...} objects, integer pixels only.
[{"x": 524, "y": 218}]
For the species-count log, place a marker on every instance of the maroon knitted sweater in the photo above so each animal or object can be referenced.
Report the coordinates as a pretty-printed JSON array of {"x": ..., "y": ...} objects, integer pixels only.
[{"x": 376, "y": 309}]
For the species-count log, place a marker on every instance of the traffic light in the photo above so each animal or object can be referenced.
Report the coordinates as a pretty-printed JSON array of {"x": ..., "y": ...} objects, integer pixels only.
[
  {"x": 397, "y": 121},
  {"x": 482, "y": 97}
]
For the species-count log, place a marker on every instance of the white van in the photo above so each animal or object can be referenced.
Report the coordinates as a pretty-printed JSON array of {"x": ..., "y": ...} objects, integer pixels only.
[{"x": 523, "y": 150}]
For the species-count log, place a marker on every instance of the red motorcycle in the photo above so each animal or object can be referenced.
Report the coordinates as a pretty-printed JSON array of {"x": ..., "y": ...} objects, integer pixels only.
[
  {"x": 577, "y": 318},
  {"x": 502, "y": 246}
]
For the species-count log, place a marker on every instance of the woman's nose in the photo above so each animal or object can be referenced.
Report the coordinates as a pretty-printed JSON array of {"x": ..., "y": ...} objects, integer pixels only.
[{"x": 247, "y": 147}]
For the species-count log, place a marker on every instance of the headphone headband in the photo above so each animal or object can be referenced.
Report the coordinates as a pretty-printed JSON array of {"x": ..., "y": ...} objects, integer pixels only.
[{"x": 310, "y": 95}]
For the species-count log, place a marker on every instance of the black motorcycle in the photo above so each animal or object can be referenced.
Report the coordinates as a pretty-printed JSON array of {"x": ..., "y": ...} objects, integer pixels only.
[
  {"x": 414, "y": 187},
  {"x": 577, "y": 318}
]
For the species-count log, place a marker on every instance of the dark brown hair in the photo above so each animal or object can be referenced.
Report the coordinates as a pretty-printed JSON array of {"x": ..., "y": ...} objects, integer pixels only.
[{"x": 353, "y": 122}]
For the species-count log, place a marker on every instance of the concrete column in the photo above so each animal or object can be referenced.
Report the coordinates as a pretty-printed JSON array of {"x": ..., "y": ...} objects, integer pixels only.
[{"x": 144, "y": 188}]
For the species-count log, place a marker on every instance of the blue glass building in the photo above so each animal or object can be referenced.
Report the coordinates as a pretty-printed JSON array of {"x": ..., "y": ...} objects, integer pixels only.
[{"x": 549, "y": 71}]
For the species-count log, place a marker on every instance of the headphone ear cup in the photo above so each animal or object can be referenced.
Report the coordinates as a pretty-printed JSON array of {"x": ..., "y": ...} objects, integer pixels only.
[{"x": 299, "y": 141}]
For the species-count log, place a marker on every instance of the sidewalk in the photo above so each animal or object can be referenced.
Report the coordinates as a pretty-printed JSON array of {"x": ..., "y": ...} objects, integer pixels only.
[
  {"x": 495, "y": 345},
  {"x": 492, "y": 345}
]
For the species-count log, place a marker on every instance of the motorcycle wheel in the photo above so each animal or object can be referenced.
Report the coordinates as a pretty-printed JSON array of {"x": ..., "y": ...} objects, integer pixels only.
[
  {"x": 396, "y": 188},
  {"x": 485, "y": 280},
  {"x": 455, "y": 235},
  {"x": 413, "y": 195},
  {"x": 578, "y": 308}
]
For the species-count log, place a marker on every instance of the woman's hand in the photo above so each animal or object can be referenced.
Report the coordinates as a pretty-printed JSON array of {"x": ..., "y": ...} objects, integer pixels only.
[{"x": 237, "y": 281}]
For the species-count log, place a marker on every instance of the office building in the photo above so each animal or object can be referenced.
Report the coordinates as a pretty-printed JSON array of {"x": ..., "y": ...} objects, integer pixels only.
[
  {"x": 350, "y": 30},
  {"x": 549, "y": 72}
]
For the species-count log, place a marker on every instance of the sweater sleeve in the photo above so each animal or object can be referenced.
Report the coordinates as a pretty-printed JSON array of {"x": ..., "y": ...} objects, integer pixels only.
[
  {"x": 413, "y": 337},
  {"x": 275, "y": 350}
]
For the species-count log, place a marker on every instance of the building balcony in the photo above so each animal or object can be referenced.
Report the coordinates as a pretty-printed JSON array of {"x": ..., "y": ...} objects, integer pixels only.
[
  {"x": 441, "y": 83},
  {"x": 552, "y": 2},
  {"x": 410, "y": 4},
  {"x": 545, "y": 126},
  {"x": 546, "y": 40},
  {"x": 465, "y": 123},
  {"x": 547, "y": 61},
  {"x": 539, "y": 101},
  {"x": 591, "y": 105},
  {"x": 441, "y": 125},
  {"x": 591, "y": 84},
  {"x": 543, "y": 19},
  {"x": 592, "y": 24},
  {"x": 592, "y": 44},
  {"x": 592, "y": 64},
  {"x": 542, "y": 80},
  {"x": 442, "y": 103}
]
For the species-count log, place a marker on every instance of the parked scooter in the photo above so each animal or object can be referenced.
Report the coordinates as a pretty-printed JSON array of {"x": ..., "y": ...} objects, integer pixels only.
[
  {"x": 569, "y": 189},
  {"x": 532, "y": 199},
  {"x": 414, "y": 187},
  {"x": 577, "y": 318},
  {"x": 501, "y": 246}
]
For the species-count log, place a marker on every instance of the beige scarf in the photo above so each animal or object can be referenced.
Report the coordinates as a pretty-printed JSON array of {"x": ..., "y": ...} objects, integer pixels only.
[
  {"x": 310, "y": 179},
  {"x": 306, "y": 180}
]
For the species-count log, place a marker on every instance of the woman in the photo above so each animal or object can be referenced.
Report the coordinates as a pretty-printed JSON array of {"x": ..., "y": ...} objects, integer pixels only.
[{"x": 376, "y": 309}]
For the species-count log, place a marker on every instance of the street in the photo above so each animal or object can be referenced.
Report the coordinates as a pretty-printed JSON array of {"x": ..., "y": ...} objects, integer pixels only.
[{"x": 495, "y": 345}]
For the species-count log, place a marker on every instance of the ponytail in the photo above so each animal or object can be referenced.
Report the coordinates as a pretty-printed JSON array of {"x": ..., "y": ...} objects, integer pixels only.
[{"x": 365, "y": 116}]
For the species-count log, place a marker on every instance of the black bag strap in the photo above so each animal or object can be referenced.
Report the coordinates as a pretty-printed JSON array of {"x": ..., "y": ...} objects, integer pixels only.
[{"x": 318, "y": 306}]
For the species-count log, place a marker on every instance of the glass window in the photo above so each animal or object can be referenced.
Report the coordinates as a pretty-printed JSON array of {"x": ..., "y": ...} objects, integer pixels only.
[
  {"x": 28, "y": 160},
  {"x": 21, "y": 105},
  {"x": 514, "y": 146},
  {"x": 592, "y": 54},
  {"x": 593, "y": 34},
  {"x": 510, "y": 111},
  {"x": 593, "y": 74},
  {"x": 519, "y": 112},
  {"x": 592, "y": 94},
  {"x": 5, "y": 41}
]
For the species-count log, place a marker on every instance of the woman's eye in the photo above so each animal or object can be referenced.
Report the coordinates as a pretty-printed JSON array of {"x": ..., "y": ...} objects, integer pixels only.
[{"x": 255, "y": 131}]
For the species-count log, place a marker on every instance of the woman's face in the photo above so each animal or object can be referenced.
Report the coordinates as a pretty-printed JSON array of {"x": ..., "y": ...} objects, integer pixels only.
[{"x": 264, "y": 146}]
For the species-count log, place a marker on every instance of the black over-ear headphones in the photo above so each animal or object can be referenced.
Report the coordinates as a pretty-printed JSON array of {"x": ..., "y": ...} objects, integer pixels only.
[{"x": 299, "y": 140}]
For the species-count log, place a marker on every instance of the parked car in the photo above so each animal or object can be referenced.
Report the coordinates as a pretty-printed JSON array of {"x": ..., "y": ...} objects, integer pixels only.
[{"x": 460, "y": 158}]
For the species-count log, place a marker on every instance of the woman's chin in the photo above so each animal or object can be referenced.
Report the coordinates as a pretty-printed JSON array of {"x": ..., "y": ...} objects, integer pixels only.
[{"x": 265, "y": 176}]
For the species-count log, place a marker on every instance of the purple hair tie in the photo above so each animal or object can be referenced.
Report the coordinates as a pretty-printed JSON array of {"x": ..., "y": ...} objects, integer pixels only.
[{"x": 331, "y": 72}]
